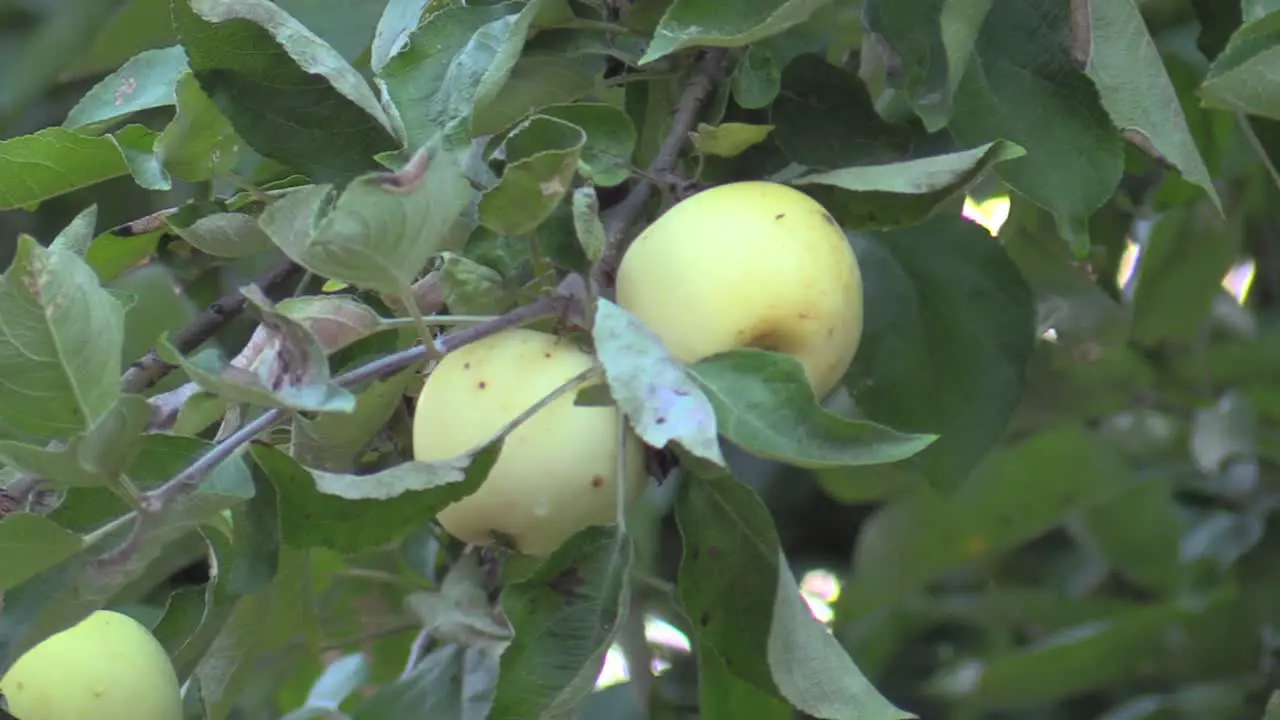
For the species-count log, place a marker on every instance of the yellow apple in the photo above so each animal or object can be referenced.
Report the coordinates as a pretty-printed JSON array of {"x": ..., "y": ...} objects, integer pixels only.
[
  {"x": 107, "y": 667},
  {"x": 556, "y": 473},
  {"x": 748, "y": 264}
]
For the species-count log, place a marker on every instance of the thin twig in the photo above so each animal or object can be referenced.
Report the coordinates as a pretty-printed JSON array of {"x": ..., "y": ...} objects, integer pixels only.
[
  {"x": 149, "y": 370},
  {"x": 622, "y": 216}
]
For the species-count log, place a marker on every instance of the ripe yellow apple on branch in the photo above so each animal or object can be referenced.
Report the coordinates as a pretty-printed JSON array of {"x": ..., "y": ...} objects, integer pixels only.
[
  {"x": 749, "y": 264},
  {"x": 106, "y": 667}
]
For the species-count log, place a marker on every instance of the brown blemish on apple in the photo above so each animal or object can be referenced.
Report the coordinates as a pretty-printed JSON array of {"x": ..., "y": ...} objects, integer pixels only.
[
  {"x": 597, "y": 481},
  {"x": 779, "y": 216},
  {"x": 482, "y": 385}
]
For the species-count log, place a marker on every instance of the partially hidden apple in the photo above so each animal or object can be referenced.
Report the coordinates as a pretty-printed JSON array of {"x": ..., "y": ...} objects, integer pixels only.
[
  {"x": 106, "y": 667},
  {"x": 557, "y": 473},
  {"x": 748, "y": 264}
]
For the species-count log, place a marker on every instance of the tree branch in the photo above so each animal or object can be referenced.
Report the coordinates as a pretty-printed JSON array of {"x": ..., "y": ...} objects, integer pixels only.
[
  {"x": 622, "y": 216},
  {"x": 185, "y": 482},
  {"x": 149, "y": 370}
]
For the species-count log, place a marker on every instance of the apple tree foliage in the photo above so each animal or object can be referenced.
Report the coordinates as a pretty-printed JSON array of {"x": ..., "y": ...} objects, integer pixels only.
[{"x": 1045, "y": 489}]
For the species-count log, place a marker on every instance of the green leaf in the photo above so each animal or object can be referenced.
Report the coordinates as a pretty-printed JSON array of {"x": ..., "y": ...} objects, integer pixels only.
[
  {"x": 471, "y": 288},
  {"x": 587, "y": 226},
  {"x": 456, "y": 62},
  {"x": 288, "y": 93},
  {"x": 542, "y": 160},
  {"x": 30, "y": 544},
  {"x": 931, "y": 43},
  {"x": 452, "y": 681},
  {"x": 223, "y": 234},
  {"x": 334, "y": 442},
  {"x": 734, "y": 575},
  {"x": 1180, "y": 271},
  {"x": 60, "y": 341},
  {"x": 349, "y": 513},
  {"x": 904, "y": 193},
  {"x": 918, "y": 537},
  {"x": 1243, "y": 77},
  {"x": 544, "y": 77},
  {"x": 757, "y": 80},
  {"x": 723, "y": 695},
  {"x": 1104, "y": 654},
  {"x": 661, "y": 401},
  {"x": 729, "y": 139},
  {"x": 1138, "y": 532},
  {"x": 764, "y": 404},
  {"x": 824, "y": 118},
  {"x": 66, "y": 592},
  {"x": 398, "y": 19},
  {"x": 1125, "y": 65},
  {"x": 948, "y": 333},
  {"x": 260, "y": 626},
  {"x": 383, "y": 228},
  {"x": 55, "y": 161},
  {"x": 194, "y": 617},
  {"x": 146, "y": 81},
  {"x": 289, "y": 368},
  {"x": 94, "y": 458},
  {"x": 565, "y": 615},
  {"x": 611, "y": 139},
  {"x": 706, "y": 23},
  {"x": 1022, "y": 85},
  {"x": 198, "y": 143}
]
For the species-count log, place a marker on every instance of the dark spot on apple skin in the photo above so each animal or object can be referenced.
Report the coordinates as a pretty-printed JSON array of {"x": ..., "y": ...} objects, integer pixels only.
[
  {"x": 466, "y": 365},
  {"x": 597, "y": 481},
  {"x": 546, "y": 355},
  {"x": 779, "y": 216},
  {"x": 659, "y": 420},
  {"x": 827, "y": 216},
  {"x": 482, "y": 385}
]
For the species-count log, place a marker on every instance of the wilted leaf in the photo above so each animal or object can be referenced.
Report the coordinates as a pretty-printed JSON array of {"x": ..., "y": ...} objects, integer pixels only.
[
  {"x": 146, "y": 81},
  {"x": 661, "y": 401},
  {"x": 336, "y": 321},
  {"x": 287, "y": 367},
  {"x": 60, "y": 343},
  {"x": 541, "y": 161},
  {"x": 903, "y": 193}
]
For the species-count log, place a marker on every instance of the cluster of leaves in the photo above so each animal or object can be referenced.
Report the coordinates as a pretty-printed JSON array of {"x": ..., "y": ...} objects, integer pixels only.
[{"x": 1050, "y": 489}]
